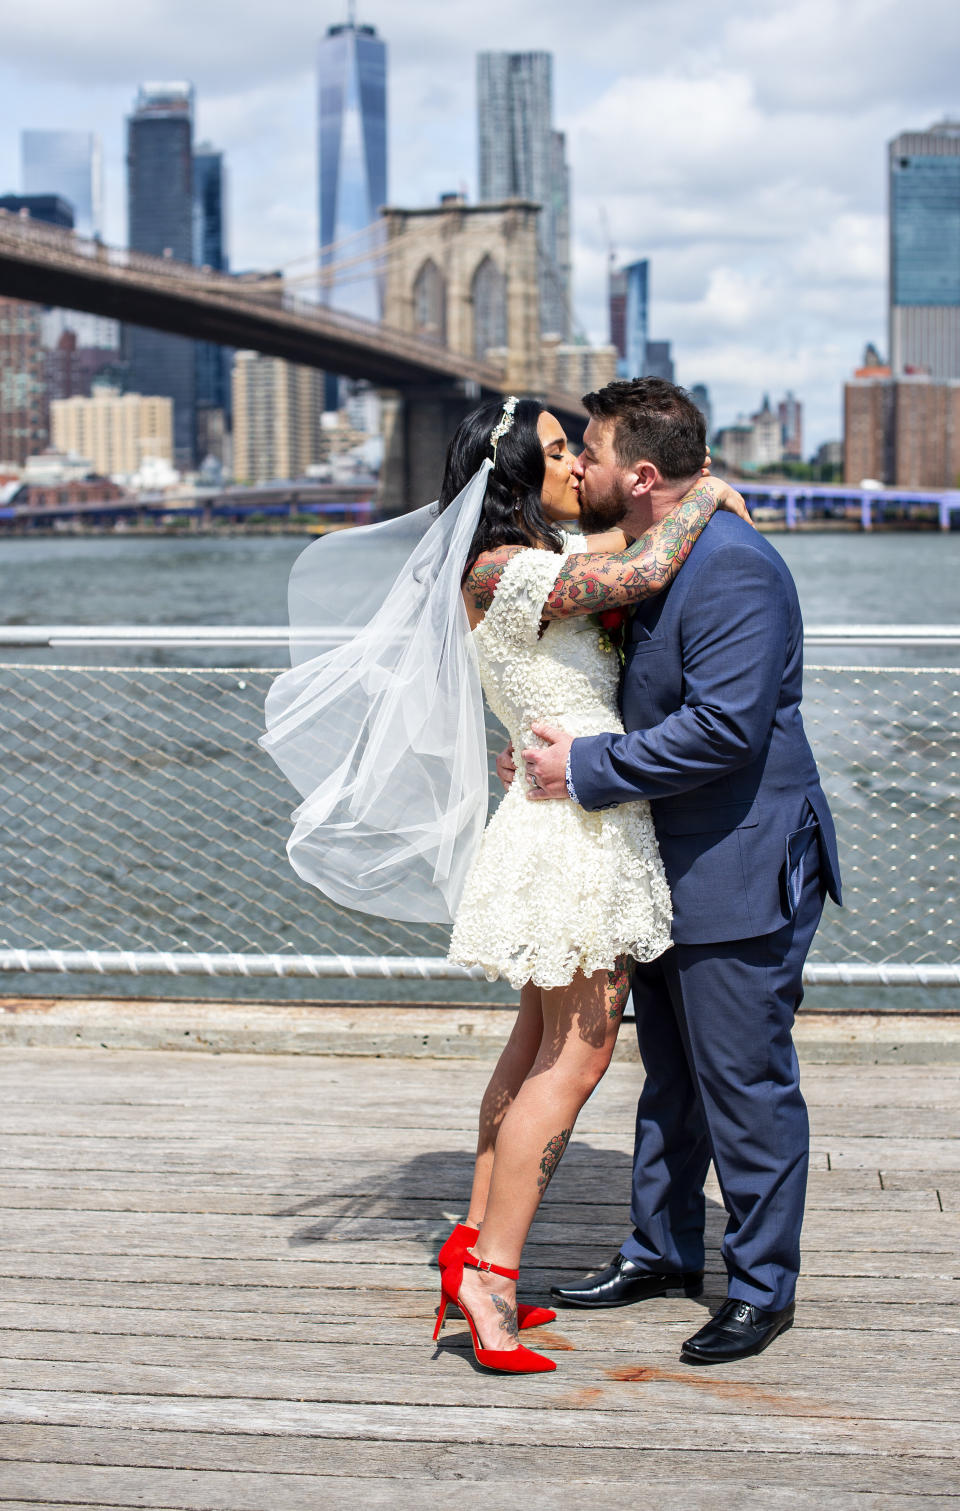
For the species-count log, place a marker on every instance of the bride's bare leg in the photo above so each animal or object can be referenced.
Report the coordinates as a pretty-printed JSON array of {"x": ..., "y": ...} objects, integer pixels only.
[
  {"x": 512, "y": 1068},
  {"x": 580, "y": 1024}
]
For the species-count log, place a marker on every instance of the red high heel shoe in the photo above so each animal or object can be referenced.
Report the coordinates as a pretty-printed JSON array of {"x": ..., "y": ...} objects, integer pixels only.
[
  {"x": 509, "y": 1361},
  {"x": 463, "y": 1238}
]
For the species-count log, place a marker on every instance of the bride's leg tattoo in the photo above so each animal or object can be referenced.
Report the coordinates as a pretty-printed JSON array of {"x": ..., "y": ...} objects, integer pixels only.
[
  {"x": 508, "y": 1317},
  {"x": 551, "y": 1157},
  {"x": 618, "y": 988}
]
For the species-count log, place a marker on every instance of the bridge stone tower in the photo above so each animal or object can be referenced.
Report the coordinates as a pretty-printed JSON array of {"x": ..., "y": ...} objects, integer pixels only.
[{"x": 467, "y": 277}]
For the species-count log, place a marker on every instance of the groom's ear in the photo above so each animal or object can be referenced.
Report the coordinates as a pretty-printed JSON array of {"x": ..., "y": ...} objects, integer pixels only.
[{"x": 645, "y": 476}]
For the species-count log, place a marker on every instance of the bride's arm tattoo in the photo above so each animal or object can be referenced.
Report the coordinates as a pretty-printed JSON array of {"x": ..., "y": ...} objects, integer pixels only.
[
  {"x": 482, "y": 580},
  {"x": 552, "y": 1155},
  {"x": 590, "y": 582}
]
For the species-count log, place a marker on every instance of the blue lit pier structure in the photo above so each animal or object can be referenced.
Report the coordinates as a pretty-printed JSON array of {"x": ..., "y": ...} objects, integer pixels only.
[{"x": 807, "y": 505}]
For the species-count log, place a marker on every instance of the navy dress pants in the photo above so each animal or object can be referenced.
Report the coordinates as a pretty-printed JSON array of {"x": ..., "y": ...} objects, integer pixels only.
[{"x": 714, "y": 1024}]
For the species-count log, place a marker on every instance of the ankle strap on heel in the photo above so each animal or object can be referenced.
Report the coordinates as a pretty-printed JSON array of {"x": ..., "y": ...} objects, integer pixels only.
[{"x": 494, "y": 1269}]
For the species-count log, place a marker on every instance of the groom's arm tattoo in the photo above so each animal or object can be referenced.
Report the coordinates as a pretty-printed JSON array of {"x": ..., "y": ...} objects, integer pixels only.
[
  {"x": 590, "y": 582},
  {"x": 483, "y": 578}
]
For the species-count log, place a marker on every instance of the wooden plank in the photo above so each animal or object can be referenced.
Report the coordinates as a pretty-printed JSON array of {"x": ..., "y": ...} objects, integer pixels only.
[
  {"x": 237, "y": 1491},
  {"x": 198, "y": 1309},
  {"x": 819, "y": 1373},
  {"x": 574, "y": 1424},
  {"x": 499, "y": 1462},
  {"x": 937, "y": 1273},
  {"x": 335, "y": 1319},
  {"x": 414, "y": 1243}
]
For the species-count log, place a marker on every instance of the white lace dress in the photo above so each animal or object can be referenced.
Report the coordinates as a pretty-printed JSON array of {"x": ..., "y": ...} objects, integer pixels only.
[{"x": 555, "y": 889}]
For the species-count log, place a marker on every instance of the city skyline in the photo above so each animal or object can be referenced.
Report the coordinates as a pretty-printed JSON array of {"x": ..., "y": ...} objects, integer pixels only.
[{"x": 744, "y": 153}]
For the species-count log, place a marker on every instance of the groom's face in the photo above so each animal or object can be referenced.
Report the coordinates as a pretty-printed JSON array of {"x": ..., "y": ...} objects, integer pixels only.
[{"x": 605, "y": 486}]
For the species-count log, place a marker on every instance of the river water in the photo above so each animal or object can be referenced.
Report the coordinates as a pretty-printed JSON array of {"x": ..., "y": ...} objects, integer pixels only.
[{"x": 841, "y": 577}]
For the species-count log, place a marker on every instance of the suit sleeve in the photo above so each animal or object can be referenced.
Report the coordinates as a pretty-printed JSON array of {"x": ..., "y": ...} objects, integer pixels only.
[{"x": 735, "y": 625}]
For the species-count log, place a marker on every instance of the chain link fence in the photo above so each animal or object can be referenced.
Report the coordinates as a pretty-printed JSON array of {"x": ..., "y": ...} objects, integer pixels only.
[{"x": 143, "y": 830}]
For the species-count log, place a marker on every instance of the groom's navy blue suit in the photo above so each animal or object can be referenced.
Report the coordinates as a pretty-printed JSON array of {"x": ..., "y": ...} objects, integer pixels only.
[{"x": 711, "y": 704}]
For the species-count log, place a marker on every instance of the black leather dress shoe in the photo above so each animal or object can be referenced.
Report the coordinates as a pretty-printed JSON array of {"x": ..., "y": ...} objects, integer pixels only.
[
  {"x": 623, "y": 1282},
  {"x": 736, "y": 1331}
]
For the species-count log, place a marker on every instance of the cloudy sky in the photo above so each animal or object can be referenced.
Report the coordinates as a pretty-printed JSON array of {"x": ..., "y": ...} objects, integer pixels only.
[{"x": 741, "y": 147}]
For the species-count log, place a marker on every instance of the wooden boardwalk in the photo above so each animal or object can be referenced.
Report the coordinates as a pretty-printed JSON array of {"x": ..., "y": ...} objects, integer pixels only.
[{"x": 217, "y": 1293}]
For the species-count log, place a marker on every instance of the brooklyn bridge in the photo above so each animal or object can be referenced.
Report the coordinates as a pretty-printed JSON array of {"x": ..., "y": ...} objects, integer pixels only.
[{"x": 428, "y": 353}]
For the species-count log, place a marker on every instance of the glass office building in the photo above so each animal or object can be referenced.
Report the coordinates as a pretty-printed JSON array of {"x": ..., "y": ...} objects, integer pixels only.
[
  {"x": 924, "y": 169},
  {"x": 522, "y": 157},
  {"x": 636, "y": 319},
  {"x": 352, "y": 109},
  {"x": 160, "y": 208},
  {"x": 210, "y": 251},
  {"x": 67, "y": 163},
  {"x": 352, "y": 159}
]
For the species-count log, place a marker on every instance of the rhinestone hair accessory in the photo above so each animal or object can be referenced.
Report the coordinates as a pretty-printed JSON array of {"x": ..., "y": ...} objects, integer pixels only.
[{"x": 503, "y": 424}]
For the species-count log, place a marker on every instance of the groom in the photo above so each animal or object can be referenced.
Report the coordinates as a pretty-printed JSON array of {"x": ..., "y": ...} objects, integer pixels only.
[{"x": 711, "y": 705}]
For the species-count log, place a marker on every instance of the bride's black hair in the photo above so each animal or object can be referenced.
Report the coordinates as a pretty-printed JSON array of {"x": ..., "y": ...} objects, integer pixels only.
[{"x": 512, "y": 510}]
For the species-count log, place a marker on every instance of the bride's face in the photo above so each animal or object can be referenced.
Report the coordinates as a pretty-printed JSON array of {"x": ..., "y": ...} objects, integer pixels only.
[{"x": 560, "y": 497}]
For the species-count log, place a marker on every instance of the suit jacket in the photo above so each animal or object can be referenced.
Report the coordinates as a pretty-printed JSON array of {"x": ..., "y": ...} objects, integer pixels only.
[{"x": 711, "y": 704}]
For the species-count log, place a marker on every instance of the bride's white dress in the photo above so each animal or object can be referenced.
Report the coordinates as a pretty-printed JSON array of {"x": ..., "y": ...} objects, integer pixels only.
[{"x": 554, "y": 889}]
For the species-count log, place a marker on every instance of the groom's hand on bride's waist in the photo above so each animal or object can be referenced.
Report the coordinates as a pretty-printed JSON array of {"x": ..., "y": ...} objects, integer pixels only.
[{"x": 546, "y": 765}]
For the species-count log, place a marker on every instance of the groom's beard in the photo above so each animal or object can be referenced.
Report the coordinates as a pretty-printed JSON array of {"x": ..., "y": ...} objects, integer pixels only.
[{"x": 599, "y": 514}]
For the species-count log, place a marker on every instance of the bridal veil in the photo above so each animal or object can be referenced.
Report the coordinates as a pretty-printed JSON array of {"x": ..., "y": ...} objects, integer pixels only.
[{"x": 379, "y": 721}]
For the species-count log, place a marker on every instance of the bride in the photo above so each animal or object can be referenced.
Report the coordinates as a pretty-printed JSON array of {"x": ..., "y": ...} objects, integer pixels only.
[{"x": 384, "y": 737}]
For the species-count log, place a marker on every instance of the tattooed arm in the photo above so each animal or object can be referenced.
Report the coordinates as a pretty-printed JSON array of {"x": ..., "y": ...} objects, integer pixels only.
[
  {"x": 600, "y": 579},
  {"x": 590, "y": 582}
]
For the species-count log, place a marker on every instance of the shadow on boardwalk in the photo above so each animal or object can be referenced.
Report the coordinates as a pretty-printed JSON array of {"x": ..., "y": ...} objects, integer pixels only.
[{"x": 218, "y": 1291}]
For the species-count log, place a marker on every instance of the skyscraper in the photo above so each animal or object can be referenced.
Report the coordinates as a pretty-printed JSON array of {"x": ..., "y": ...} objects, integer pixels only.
[
  {"x": 210, "y": 251},
  {"x": 636, "y": 277},
  {"x": 352, "y": 142},
  {"x": 523, "y": 157},
  {"x": 160, "y": 208},
  {"x": 925, "y": 251},
  {"x": 67, "y": 163},
  {"x": 352, "y": 162},
  {"x": 790, "y": 413}
]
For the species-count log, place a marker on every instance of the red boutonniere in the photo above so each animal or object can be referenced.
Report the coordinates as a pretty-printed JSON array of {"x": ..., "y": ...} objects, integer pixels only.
[{"x": 612, "y": 624}]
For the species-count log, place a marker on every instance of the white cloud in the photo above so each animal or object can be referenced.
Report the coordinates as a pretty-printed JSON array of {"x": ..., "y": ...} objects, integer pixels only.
[{"x": 741, "y": 148}]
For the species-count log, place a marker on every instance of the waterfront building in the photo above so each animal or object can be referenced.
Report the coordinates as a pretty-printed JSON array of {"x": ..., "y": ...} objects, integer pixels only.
[
  {"x": 576, "y": 368},
  {"x": 629, "y": 310},
  {"x": 52, "y": 209},
  {"x": 523, "y": 157},
  {"x": 277, "y": 412},
  {"x": 210, "y": 251},
  {"x": 924, "y": 187},
  {"x": 160, "y": 207},
  {"x": 790, "y": 415},
  {"x": 92, "y": 332},
  {"x": 700, "y": 395},
  {"x": 68, "y": 164},
  {"x": 116, "y": 431},
  {"x": 71, "y": 369},
  {"x": 617, "y": 309},
  {"x": 24, "y": 411},
  {"x": 733, "y": 445},
  {"x": 658, "y": 362},
  {"x": 753, "y": 444},
  {"x": 767, "y": 443},
  {"x": 902, "y": 430}
]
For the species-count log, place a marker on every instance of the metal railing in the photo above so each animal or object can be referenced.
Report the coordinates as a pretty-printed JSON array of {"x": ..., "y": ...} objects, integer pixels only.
[{"x": 142, "y": 829}]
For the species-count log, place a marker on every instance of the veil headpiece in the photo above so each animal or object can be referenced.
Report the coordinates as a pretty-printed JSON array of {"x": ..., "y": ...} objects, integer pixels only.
[{"x": 379, "y": 721}]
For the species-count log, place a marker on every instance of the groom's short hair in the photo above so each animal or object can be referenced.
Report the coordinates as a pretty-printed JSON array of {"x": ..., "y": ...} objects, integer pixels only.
[{"x": 653, "y": 421}]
